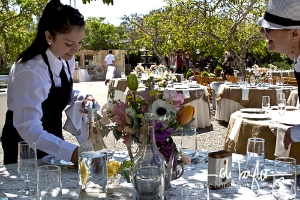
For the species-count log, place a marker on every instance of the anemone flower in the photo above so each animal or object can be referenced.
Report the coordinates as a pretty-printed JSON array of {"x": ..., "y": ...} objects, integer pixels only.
[{"x": 160, "y": 109}]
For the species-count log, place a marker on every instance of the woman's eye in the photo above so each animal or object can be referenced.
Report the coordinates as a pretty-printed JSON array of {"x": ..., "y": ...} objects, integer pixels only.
[{"x": 68, "y": 44}]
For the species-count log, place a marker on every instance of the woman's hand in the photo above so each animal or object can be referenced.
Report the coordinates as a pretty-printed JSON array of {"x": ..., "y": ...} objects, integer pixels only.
[
  {"x": 84, "y": 102},
  {"x": 287, "y": 140}
]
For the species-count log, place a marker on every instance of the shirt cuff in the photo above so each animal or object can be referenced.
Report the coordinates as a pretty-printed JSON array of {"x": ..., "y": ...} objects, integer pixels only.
[
  {"x": 66, "y": 150},
  {"x": 295, "y": 133}
]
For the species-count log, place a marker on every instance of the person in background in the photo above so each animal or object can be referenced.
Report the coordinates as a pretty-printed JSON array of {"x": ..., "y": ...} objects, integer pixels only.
[
  {"x": 227, "y": 65},
  {"x": 176, "y": 63},
  {"x": 110, "y": 65},
  {"x": 281, "y": 27},
  {"x": 202, "y": 63},
  {"x": 40, "y": 86}
]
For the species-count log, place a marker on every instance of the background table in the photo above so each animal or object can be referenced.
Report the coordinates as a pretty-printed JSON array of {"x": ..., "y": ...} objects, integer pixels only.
[
  {"x": 81, "y": 75},
  {"x": 229, "y": 99},
  {"x": 198, "y": 98},
  {"x": 10, "y": 183},
  {"x": 261, "y": 129}
]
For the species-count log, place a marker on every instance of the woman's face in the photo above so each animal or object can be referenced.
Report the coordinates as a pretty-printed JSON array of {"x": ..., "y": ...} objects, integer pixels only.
[
  {"x": 66, "y": 45},
  {"x": 278, "y": 40}
]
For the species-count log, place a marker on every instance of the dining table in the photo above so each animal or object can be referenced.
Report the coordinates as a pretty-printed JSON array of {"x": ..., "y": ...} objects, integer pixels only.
[
  {"x": 252, "y": 122},
  {"x": 195, "y": 95},
  {"x": 239, "y": 188},
  {"x": 81, "y": 75},
  {"x": 233, "y": 97}
]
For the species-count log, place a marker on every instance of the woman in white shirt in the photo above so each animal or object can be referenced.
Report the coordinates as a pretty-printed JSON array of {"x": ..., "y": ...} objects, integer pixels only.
[
  {"x": 281, "y": 27},
  {"x": 40, "y": 86}
]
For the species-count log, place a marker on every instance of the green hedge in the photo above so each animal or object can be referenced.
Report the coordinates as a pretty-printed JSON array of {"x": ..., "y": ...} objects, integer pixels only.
[{"x": 280, "y": 65}]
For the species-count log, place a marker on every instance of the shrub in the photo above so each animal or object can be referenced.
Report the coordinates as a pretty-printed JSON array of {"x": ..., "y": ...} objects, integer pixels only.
[{"x": 204, "y": 74}]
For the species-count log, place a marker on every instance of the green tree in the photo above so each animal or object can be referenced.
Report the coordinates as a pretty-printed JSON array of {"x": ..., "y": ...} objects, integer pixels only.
[
  {"x": 17, "y": 27},
  {"x": 104, "y": 1},
  {"x": 100, "y": 35}
]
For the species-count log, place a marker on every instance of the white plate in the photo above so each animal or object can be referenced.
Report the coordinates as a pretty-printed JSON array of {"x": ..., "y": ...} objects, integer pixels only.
[
  {"x": 233, "y": 86},
  {"x": 47, "y": 159},
  {"x": 252, "y": 110},
  {"x": 255, "y": 116},
  {"x": 290, "y": 121},
  {"x": 194, "y": 86},
  {"x": 287, "y": 108},
  {"x": 191, "y": 153}
]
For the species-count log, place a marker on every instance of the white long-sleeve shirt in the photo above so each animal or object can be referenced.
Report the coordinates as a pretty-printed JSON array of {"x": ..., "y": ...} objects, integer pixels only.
[
  {"x": 28, "y": 87},
  {"x": 295, "y": 132}
]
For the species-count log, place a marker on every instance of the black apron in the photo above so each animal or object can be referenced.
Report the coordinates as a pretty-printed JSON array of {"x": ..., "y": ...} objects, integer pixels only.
[
  {"x": 297, "y": 76},
  {"x": 52, "y": 107}
]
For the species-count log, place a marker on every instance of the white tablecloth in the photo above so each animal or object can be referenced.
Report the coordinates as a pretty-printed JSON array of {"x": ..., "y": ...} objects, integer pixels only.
[
  {"x": 10, "y": 183},
  {"x": 81, "y": 75}
]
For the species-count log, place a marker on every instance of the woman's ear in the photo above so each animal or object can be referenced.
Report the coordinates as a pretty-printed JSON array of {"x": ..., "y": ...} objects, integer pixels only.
[
  {"x": 49, "y": 37},
  {"x": 296, "y": 35}
]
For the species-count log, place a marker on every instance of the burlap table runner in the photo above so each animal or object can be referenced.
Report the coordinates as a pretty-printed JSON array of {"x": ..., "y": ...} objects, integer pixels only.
[
  {"x": 255, "y": 96},
  {"x": 259, "y": 129}
]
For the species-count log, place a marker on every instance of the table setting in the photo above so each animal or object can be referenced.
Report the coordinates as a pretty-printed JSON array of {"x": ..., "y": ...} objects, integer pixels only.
[
  {"x": 268, "y": 122},
  {"x": 231, "y": 98},
  {"x": 240, "y": 184}
]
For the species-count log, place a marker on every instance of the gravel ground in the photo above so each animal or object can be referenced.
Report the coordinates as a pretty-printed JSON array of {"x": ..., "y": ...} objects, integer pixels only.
[{"x": 209, "y": 138}]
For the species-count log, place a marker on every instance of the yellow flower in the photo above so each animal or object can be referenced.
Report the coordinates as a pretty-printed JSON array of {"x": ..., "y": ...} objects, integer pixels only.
[
  {"x": 185, "y": 115},
  {"x": 113, "y": 168},
  {"x": 152, "y": 93},
  {"x": 84, "y": 172}
]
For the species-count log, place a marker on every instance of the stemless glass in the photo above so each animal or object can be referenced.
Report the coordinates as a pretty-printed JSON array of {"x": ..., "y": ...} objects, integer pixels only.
[
  {"x": 194, "y": 191},
  {"x": 284, "y": 179},
  {"x": 280, "y": 96},
  {"x": 265, "y": 103},
  {"x": 281, "y": 106},
  {"x": 49, "y": 182},
  {"x": 27, "y": 165},
  {"x": 255, "y": 157},
  {"x": 189, "y": 144}
]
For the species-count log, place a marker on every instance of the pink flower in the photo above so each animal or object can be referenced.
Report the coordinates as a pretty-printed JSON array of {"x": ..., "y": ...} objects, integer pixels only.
[
  {"x": 105, "y": 120},
  {"x": 127, "y": 140},
  {"x": 174, "y": 97},
  {"x": 107, "y": 108}
]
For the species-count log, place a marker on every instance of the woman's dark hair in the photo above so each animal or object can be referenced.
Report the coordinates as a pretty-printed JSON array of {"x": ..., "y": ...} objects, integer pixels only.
[{"x": 57, "y": 19}]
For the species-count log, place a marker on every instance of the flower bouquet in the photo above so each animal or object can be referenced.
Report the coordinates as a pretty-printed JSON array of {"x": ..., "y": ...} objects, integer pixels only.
[{"x": 125, "y": 119}]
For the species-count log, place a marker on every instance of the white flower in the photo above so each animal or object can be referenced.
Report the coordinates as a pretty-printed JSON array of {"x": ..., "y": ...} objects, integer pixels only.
[{"x": 160, "y": 109}]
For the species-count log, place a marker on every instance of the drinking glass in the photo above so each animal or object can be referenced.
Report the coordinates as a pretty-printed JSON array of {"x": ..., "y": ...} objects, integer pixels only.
[
  {"x": 110, "y": 143},
  {"x": 281, "y": 106},
  {"x": 280, "y": 96},
  {"x": 194, "y": 191},
  {"x": 265, "y": 103},
  {"x": 255, "y": 157},
  {"x": 49, "y": 182},
  {"x": 284, "y": 179},
  {"x": 189, "y": 144},
  {"x": 27, "y": 165},
  {"x": 270, "y": 81}
]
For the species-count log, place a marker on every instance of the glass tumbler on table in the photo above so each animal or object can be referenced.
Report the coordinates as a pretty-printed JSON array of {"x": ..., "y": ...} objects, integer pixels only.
[
  {"x": 49, "y": 182},
  {"x": 285, "y": 178},
  {"x": 194, "y": 191},
  {"x": 27, "y": 165},
  {"x": 189, "y": 145},
  {"x": 266, "y": 103},
  {"x": 255, "y": 156},
  {"x": 281, "y": 106}
]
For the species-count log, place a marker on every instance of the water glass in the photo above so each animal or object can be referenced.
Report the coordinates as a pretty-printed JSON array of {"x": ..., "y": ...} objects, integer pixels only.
[
  {"x": 194, "y": 191},
  {"x": 270, "y": 81},
  {"x": 123, "y": 75},
  {"x": 189, "y": 144},
  {"x": 265, "y": 103},
  {"x": 255, "y": 156},
  {"x": 284, "y": 179},
  {"x": 110, "y": 143},
  {"x": 27, "y": 165},
  {"x": 49, "y": 182},
  {"x": 280, "y": 96},
  {"x": 281, "y": 106}
]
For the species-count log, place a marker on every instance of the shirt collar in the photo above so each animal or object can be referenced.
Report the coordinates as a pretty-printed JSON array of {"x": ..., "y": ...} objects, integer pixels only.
[{"x": 55, "y": 63}]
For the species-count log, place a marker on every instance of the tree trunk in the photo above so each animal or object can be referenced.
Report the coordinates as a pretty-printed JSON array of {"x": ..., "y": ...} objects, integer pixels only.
[{"x": 162, "y": 59}]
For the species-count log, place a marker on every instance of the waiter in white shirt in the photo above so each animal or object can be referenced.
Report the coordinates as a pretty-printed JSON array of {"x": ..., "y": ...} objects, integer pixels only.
[
  {"x": 110, "y": 64},
  {"x": 40, "y": 86}
]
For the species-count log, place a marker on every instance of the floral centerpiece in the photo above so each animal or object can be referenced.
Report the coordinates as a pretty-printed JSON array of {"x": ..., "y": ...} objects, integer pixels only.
[
  {"x": 138, "y": 70},
  {"x": 259, "y": 72},
  {"x": 125, "y": 119}
]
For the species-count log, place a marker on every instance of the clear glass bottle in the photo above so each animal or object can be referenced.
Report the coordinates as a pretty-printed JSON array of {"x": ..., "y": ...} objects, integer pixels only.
[
  {"x": 148, "y": 169},
  {"x": 92, "y": 162}
]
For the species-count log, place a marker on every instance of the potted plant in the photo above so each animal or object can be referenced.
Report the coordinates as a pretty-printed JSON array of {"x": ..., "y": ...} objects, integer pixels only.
[{"x": 218, "y": 71}]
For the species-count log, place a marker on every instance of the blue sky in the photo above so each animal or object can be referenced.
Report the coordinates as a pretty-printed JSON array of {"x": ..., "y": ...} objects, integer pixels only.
[{"x": 119, "y": 9}]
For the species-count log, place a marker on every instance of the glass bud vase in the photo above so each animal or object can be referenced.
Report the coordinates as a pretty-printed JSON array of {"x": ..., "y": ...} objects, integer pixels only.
[{"x": 148, "y": 168}]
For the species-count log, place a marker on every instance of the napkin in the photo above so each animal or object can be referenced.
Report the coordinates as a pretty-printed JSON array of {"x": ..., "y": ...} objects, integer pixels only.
[
  {"x": 186, "y": 94},
  {"x": 116, "y": 82},
  {"x": 279, "y": 130},
  {"x": 245, "y": 94},
  {"x": 234, "y": 133}
]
